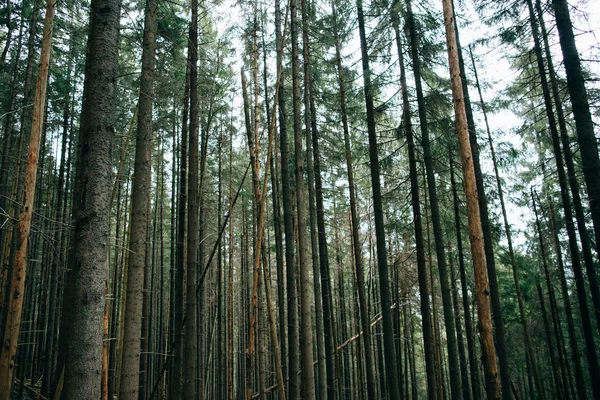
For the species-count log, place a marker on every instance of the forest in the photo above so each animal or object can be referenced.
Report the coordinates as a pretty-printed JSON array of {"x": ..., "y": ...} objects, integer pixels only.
[{"x": 299, "y": 199}]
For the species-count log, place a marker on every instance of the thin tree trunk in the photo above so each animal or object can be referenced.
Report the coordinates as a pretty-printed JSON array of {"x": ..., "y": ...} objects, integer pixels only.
[
  {"x": 356, "y": 243},
  {"x": 191, "y": 324},
  {"x": 475, "y": 232},
  {"x": 138, "y": 268},
  {"x": 384, "y": 286},
  {"x": 513, "y": 262},
  {"x": 473, "y": 360},
  {"x": 179, "y": 330},
  {"x": 583, "y": 121},
  {"x": 417, "y": 221},
  {"x": 306, "y": 341},
  {"x": 591, "y": 353},
  {"x": 486, "y": 226},
  {"x": 17, "y": 287}
]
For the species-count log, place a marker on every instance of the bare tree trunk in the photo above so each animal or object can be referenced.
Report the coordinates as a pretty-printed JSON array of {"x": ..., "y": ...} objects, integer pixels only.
[
  {"x": 191, "y": 345},
  {"x": 473, "y": 360},
  {"x": 507, "y": 231},
  {"x": 417, "y": 221},
  {"x": 475, "y": 233},
  {"x": 384, "y": 286},
  {"x": 138, "y": 268},
  {"x": 306, "y": 337},
  {"x": 15, "y": 302},
  {"x": 586, "y": 137},
  {"x": 81, "y": 328}
]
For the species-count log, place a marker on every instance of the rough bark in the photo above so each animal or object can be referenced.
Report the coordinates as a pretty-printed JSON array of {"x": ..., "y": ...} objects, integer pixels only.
[
  {"x": 191, "y": 324},
  {"x": 81, "y": 328},
  {"x": 417, "y": 221},
  {"x": 584, "y": 125},
  {"x": 140, "y": 199},
  {"x": 384, "y": 286},
  {"x": 17, "y": 286},
  {"x": 475, "y": 232},
  {"x": 356, "y": 243}
]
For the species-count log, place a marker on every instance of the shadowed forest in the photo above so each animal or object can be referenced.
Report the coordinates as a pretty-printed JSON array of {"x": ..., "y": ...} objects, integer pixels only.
[{"x": 299, "y": 199}]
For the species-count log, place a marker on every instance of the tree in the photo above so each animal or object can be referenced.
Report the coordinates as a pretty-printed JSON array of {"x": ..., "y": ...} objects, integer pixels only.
[
  {"x": 388, "y": 328},
  {"x": 17, "y": 287},
  {"x": 475, "y": 233},
  {"x": 81, "y": 327},
  {"x": 142, "y": 183}
]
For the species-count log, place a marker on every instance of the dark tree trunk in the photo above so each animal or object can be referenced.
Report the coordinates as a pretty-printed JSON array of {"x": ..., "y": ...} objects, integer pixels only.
[
  {"x": 81, "y": 327},
  {"x": 384, "y": 285},
  {"x": 417, "y": 222},
  {"x": 138, "y": 268},
  {"x": 191, "y": 322},
  {"x": 583, "y": 119},
  {"x": 592, "y": 356}
]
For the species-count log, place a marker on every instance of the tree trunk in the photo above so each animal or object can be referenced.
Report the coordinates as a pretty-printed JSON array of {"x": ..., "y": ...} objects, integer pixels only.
[
  {"x": 17, "y": 287},
  {"x": 486, "y": 226},
  {"x": 513, "y": 262},
  {"x": 417, "y": 221},
  {"x": 356, "y": 243},
  {"x": 384, "y": 286},
  {"x": 306, "y": 345},
  {"x": 473, "y": 360},
  {"x": 571, "y": 173},
  {"x": 191, "y": 324},
  {"x": 475, "y": 232},
  {"x": 140, "y": 200},
  {"x": 455, "y": 383},
  {"x": 81, "y": 328},
  {"x": 592, "y": 356},
  {"x": 583, "y": 119}
]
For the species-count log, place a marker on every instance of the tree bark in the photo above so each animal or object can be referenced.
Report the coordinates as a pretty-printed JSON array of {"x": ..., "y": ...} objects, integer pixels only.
[
  {"x": 17, "y": 287},
  {"x": 417, "y": 221},
  {"x": 475, "y": 232},
  {"x": 81, "y": 328},
  {"x": 190, "y": 339},
  {"x": 137, "y": 267},
  {"x": 584, "y": 125},
  {"x": 356, "y": 243},
  {"x": 306, "y": 337},
  {"x": 384, "y": 286}
]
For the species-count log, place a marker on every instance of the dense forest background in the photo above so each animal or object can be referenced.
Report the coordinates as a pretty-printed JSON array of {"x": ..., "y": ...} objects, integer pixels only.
[{"x": 302, "y": 199}]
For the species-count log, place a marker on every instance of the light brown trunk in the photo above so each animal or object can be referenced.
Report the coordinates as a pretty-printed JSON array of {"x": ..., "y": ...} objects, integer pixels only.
[
  {"x": 475, "y": 232},
  {"x": 17, "y": 288}
]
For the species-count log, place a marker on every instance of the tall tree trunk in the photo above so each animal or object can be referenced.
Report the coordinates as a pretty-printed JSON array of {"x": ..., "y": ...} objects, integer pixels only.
[
  {"x": 356, "y": 243},
  {"x": 288, "y": 222},
  {"x": 191, "y": 324},
  {"x": 583, "y": 119},
  {"x": 513, "y": 262},
  {"x": 571, "y": 173},
  {"x": 475, "y": 232},
  {"x": 81, "y": 327},
  {"x": 325, "y": 278},
  {"x": 455, "y": 383},
  {"x": 179, "y": 311},
  {"x": 312, "y": 208},
  {"x": 306, "y": 337},
  {"x": 473, "y": 360},
  {"x": 138, "y": 268},
  {"x": 17, "y": 287},
  {"x": 588, "y": 335},
  {"x": 384, "y": 286},
  {"x": 417, "y": 220},
  {"x": 486, "y": 226}
]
